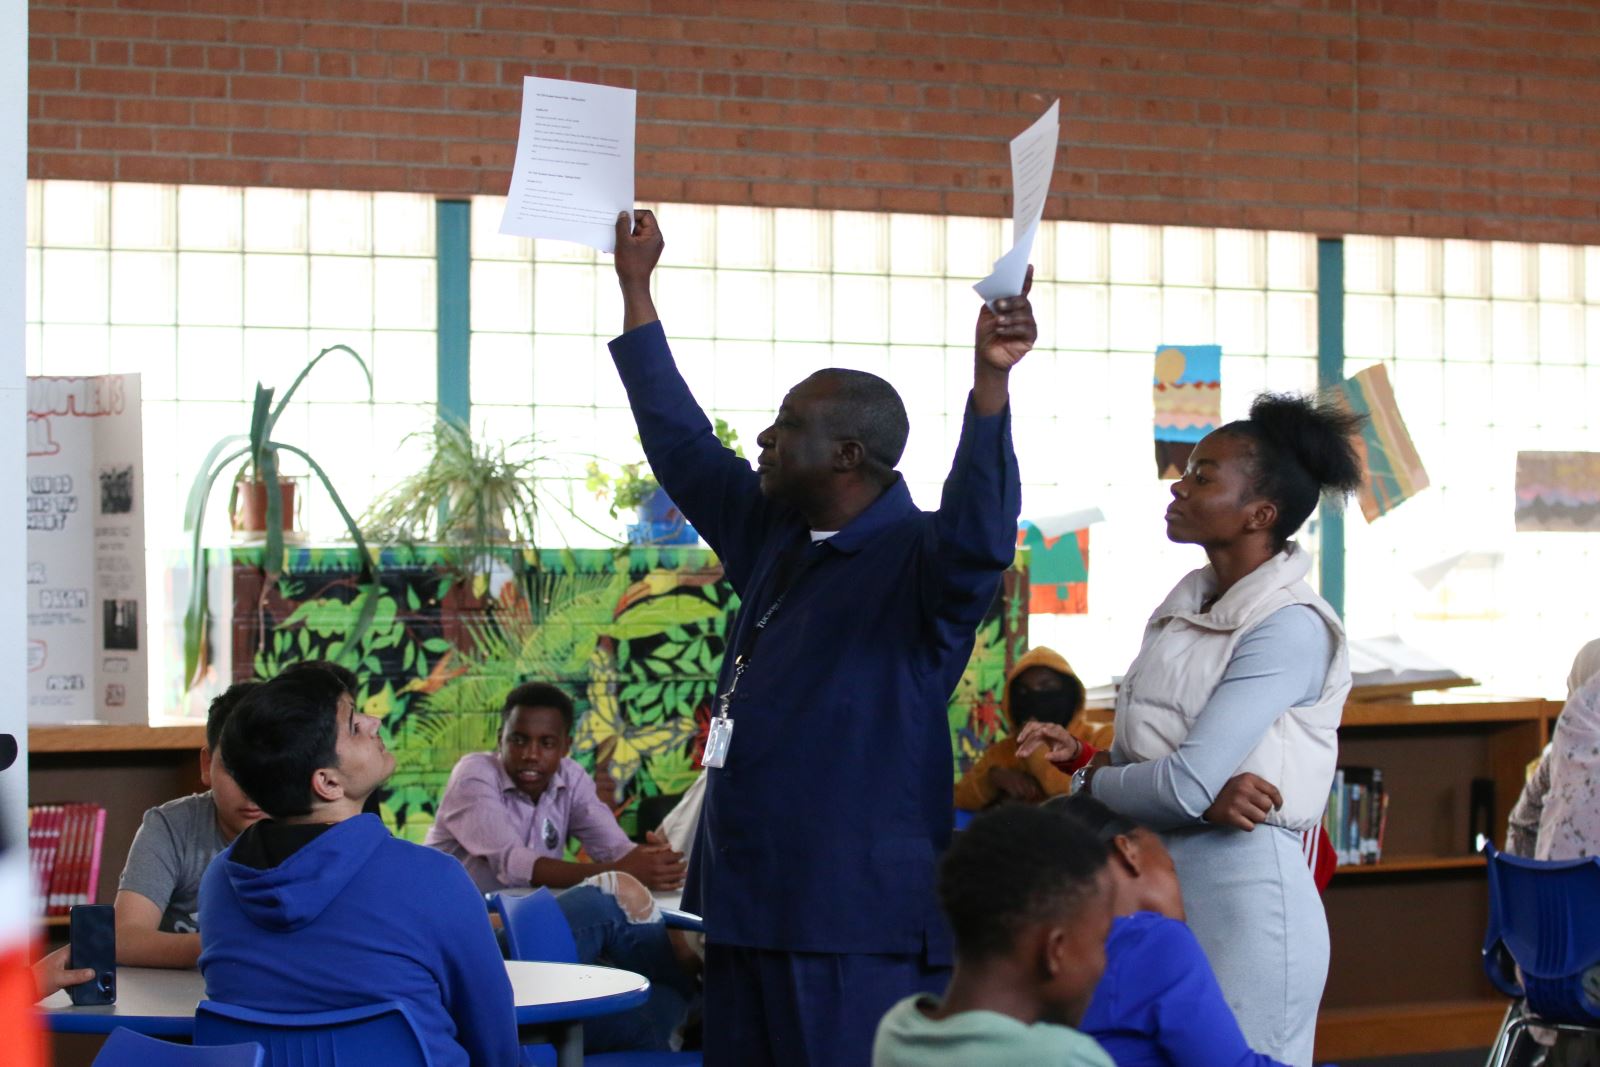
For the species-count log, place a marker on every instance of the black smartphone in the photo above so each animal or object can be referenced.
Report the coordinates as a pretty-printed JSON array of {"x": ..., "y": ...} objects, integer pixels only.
[{"x": 92, "y": 932}]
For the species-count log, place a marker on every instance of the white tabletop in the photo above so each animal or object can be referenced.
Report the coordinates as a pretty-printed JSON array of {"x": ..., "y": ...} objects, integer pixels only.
[{"x": 162, "y": 1002}]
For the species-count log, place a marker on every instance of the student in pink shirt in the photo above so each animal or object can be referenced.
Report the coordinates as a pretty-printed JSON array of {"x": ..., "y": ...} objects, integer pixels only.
[{"x": 507, "y": 815}]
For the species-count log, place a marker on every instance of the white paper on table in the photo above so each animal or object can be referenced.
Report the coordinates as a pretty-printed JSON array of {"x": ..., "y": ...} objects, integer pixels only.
[
  {"x": 574, "y": 169},
  {"x": 1033, "y": 163}
]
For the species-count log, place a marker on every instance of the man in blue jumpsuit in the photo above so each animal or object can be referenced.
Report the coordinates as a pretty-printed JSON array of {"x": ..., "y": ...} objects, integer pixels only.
[{"x": 815, "y": 856}]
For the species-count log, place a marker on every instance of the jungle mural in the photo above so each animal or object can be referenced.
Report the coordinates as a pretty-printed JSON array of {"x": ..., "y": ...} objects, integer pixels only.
[{"x": 634, "y": 634}]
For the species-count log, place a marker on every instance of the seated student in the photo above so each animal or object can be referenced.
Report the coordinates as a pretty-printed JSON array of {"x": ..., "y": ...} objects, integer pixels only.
[
  {"x": 1040, "y": 686},
  {"x": 1564, "y": 823},
  {"x": 1029, "y": 901},
  {"x": 506, "y": 815},
  {"x": 318, "y": 908},
  {"x": 158, "y": 895},
  {"x": 1158, "y": 1003}
]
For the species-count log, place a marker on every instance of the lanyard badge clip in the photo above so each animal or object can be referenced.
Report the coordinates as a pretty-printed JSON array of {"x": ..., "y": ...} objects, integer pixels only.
[{"x": 720, "y": 735}]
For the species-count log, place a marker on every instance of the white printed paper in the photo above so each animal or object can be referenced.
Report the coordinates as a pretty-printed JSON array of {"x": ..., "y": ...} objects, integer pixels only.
[
  {"x": 1033, "y": 162},
  {"x": 87, "y": 625},
  {"x": 574, "y": 169}
]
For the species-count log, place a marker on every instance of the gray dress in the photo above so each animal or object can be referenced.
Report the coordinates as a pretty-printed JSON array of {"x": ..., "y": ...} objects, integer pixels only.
[{"x": 1249, "y": 896}]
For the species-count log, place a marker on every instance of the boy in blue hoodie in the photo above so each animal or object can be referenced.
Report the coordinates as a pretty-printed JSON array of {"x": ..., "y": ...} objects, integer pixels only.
[{"x": 291, "y": 910}]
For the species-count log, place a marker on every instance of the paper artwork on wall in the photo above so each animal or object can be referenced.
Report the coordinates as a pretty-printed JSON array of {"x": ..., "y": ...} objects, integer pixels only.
[
  {"x": 1394, "y": 472},
  {"x": 1558, "y": 492},
  {"x": 1058, "y": 562},
  {"x": 1188, "y": 402},
  {"x": 87, "y": 623}
]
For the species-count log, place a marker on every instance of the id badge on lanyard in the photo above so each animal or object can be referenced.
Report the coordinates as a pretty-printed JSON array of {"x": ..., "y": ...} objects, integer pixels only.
[
  {"x": 717, "y": 742},
  {"x": 720, "y": 735}
]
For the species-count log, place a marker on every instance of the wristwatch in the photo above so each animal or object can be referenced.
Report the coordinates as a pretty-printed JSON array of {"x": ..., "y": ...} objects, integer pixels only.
[{"x": 1080, "y": 781}]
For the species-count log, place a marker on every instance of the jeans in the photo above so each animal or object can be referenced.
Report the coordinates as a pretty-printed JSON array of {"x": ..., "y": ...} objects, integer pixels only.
[{"x": 604, "y": 935}]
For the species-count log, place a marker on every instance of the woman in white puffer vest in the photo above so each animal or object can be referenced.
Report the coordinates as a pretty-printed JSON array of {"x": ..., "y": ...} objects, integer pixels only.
[{"x": 1226, "y": 727}]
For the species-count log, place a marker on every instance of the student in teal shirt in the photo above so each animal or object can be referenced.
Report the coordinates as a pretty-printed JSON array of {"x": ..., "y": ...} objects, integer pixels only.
[{"x": 1028, "y": 896}]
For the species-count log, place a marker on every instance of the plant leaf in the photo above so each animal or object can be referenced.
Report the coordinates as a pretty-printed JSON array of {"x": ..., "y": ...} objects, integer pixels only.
[{"x": 278, "y": 411}]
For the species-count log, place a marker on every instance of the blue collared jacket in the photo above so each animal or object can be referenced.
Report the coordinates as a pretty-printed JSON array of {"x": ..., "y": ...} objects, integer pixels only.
[{"x": 822, "y": 831}]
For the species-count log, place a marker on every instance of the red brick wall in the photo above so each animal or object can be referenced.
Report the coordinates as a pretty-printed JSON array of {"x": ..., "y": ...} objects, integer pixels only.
[{"x": 1475, "y": 118}]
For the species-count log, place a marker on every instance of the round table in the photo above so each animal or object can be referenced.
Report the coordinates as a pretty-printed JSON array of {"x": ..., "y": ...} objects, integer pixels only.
[{"x": 552, "y": 1000}]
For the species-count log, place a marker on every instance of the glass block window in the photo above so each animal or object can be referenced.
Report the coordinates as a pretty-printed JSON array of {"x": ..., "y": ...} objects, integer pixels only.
[
  {"x": 205, "y": 290},
  {"x": 755, "y": 299},
  {"x": 1493, "y": 348}
]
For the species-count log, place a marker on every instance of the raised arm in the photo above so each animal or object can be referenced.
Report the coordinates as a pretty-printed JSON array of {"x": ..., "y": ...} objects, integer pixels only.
[
  {"x": 976, "y": 524},
  {"x": 1279, "y": 664},
  {"x": 716, "y": 490}
]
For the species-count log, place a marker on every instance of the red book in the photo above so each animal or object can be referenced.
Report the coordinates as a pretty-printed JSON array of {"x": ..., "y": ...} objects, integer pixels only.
[
  {"x": 49, "y": 845},
  {"x": 66, "y": 861},
  {"x": 96, "y": 830}
]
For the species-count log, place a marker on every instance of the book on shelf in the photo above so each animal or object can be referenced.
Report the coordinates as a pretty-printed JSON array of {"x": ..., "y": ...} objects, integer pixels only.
[
  {"x": 64, "y": 843},
  {"x": 1357, "y": 815}
]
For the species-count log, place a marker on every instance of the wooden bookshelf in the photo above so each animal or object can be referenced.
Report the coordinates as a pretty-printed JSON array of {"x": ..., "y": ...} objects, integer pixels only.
[
  {"x": 1408, "y": 1029},
  {"x": 116, "y": 737},
  {"x": 126, "y": 767},
  {"x": 1411, "y": 865},
  {"x": 1405, "y": 974}
]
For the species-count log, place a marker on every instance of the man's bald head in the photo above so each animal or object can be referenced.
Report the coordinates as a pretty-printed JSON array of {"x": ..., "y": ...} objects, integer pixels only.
[{"x": 863, "y": 407}]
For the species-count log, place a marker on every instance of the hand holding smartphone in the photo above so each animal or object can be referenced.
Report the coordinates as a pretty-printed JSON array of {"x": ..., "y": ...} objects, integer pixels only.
[{"x": 92, "y": 933}]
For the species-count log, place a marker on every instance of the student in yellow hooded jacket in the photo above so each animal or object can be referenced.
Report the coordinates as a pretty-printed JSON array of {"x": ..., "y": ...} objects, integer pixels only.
[{"x": 1040, "y": 686}]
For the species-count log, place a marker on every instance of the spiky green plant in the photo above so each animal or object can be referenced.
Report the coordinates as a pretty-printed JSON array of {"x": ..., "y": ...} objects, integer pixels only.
[{"x": 258, "y": 450}]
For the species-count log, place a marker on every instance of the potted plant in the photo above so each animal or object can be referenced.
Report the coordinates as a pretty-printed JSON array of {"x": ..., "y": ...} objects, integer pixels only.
[
  {"x": 634, "y": 488},
  {"x": 470, "y": 494},
  {"x": 261, "y": 499}
]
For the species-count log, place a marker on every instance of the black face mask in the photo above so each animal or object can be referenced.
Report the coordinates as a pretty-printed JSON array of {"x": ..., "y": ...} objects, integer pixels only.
[{"x": 1044, "y": 705}]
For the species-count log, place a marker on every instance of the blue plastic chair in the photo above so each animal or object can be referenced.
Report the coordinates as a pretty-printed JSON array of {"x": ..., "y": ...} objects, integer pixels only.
[
  {"x": 127, "y": 1048},
  {"x": 373, "y": 1035},
  {"x": 536, "y": 930},
  {"x": 1543, "y": 935}
]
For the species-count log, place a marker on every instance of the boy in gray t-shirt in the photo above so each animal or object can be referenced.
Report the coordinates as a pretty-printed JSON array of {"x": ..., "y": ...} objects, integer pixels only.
[
  {"x": 158, "y": 896},
  {"x": 174, "y": 845}
]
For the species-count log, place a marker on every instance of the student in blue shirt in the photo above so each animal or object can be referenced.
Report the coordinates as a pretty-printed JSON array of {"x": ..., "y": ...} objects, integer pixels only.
[
  {"x": 814, "y": 860},
  {"x": 318, "y": 907},
  {"x": 1158, "y": 1003}
]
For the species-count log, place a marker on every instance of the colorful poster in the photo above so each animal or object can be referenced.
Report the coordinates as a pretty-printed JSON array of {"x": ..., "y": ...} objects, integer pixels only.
[
  {"x": 1394, "y": 471},
  {"x": 1558, "y": 492},
  {"x": 1188, "y": 402},
  {"x": 87, "y": 653},
  {"x": 1058, "y": 562}
]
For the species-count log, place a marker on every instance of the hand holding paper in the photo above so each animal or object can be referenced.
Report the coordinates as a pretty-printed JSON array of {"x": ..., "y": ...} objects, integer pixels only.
[
  {"x": 1033, "y": 161},
  {"x": 574, "y": 169},
  {"x": 1006, "y": 328}
]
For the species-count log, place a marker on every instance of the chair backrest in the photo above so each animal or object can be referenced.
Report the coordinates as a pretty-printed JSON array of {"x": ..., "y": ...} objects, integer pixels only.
[
  {"x": 1543, "y": 918},
  {"x": 535, "y": 928},
  {"x": 379, "y": 1035},
  {"x": 126, "y": 1048}
]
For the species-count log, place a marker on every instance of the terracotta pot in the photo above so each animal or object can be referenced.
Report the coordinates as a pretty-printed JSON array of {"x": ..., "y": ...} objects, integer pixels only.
[{"x": 250, "y": 512}]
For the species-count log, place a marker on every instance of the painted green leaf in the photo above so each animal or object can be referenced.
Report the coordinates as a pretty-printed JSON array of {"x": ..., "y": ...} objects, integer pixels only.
[{"x": 655, "y": 615}]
